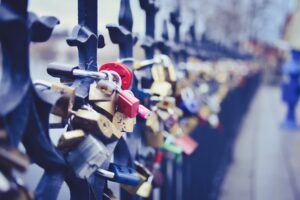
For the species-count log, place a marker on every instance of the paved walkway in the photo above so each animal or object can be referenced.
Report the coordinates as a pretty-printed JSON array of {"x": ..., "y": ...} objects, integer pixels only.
[{"x": 266, "y": 161}]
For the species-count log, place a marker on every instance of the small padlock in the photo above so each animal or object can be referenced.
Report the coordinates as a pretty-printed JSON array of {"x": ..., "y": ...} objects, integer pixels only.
[
  {"x": 158, "y": 73},
  {"x": 172, "y": 148},
  {"x": 123, "y": 123},
  {"x": 154, "y": 139},
  {"x": 70, "y": 139},
  {"x": 186, "y": 143},
  {"x": 161, "y": 88},
  {"x": 128, "y": 103},
  {"x": 99, "y": 94},
  {"x": 87, "y": 157},
  {"x": 152, "y": 123},
  {"x": 120, "y": 174}
]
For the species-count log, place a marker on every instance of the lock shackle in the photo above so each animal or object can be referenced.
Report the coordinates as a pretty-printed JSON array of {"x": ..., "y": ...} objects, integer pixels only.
[{"x": 70, "y": 71}]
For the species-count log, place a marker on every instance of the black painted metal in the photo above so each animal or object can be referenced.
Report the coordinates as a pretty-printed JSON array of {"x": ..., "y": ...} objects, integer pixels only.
[{"x": 24, "y": 111}]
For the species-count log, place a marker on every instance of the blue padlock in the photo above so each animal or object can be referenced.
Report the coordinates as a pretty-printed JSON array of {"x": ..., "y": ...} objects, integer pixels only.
[{"x": 121, "y": 174}]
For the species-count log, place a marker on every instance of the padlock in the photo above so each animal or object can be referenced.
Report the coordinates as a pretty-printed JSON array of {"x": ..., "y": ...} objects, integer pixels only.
[
  {"x": 152, "y": 123},
  {"x": 124, "y": 72},
  {"x": 186, "y": 143},
  {"x": 167, "y": 103},
  {"x": 96, "y": 93},
  {"x": 93, "y": 122},
  {"x": 154, "y": 139},
  {"x": 106, "y": 108},
  {"x": 64, "y": 104},
  {"x": 123, "y": 123},
  {"x": 70, "y": 139},
  {"x": 166, "y": 62},
  {"x": 120, "y": 174},
  {"x": 145, "y": 187},
  {"x": 158, "y": 177},
  {"x": 87, "y": 157},
  {"x": 161, "y": 88},
  {"x": 56, "y": 121},
  {"x": 158, "y": 73},
  {"x": 163, "y": 114},
  {"x": 172, "y": 148},
  {"x": 128, "y": 103}
]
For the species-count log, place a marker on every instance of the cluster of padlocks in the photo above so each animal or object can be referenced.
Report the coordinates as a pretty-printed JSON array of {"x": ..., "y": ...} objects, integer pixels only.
[{"x": 129, "y": 121}]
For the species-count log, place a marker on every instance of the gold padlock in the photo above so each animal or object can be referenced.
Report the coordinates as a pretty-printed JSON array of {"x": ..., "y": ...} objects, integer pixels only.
[
  {"x": 93, "y": 122},
  {"x": 154, "y": 139},
  {"x": 158, "y": 73},
  {"x": 162, "y": 88},
  {"x": 96, "y": 94},
  {"x": 107, "y": 108},
  {"x": 123, "y": 122},
  {"x": 166, "y": 103},
  {"x": 70, "y": 140},
  {"x": 64, "y": 104},
  {"x": 152, "y": 123}
]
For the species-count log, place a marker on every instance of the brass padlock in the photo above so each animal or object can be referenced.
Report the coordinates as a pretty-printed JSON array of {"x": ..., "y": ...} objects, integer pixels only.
[
  {"x": 167, "y": 103},
  {"x": 107, "y": 108},
  {"x": 94, "y": 122},
  {"x": 158, "y": 73},
  {"x": 64, "y": 104},
  {"x": 162, "y": 88},
  {"x": 153, "y": 123},
  {"x": 96, "y": 94},
  {"x": 154, "y": 139},
  {"x": 123, "y": 122},
  {"x": 70, "y": 139}
]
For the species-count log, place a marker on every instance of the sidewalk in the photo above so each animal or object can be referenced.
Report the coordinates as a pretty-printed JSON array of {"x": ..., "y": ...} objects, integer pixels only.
[{"x": 266, "y": 160}]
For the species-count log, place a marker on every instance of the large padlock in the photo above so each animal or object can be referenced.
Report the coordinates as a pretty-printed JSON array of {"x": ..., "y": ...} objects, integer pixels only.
[
  {"x": 87, "y": 157},
  {"x": 93, "y": 122},
  {"x": 120, "y": 174},
  {"x": 124, "y": 72}
]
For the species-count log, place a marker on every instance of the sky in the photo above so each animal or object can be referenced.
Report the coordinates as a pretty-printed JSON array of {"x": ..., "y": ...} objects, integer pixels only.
[{"x": 211, "y": 16}]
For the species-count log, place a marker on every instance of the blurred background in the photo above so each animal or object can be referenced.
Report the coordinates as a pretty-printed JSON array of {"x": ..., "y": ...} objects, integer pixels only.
[{"x": 266, "y": 161}]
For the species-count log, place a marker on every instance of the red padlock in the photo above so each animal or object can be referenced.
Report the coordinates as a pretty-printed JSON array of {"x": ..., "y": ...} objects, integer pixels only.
[
  {"x": 128, "y": 103},
  {"x": 124, "y": 72},
  {"x": 187, "y": 144}
]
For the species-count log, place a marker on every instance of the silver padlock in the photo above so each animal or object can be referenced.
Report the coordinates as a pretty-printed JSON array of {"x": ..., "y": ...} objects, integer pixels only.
[{"x": 87, "y": 157}]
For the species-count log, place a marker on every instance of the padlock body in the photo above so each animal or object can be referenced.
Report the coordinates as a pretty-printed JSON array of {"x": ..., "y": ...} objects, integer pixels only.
[{"x": 128, "y": 104}]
